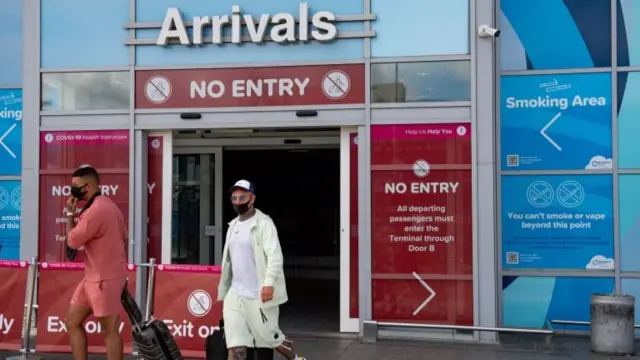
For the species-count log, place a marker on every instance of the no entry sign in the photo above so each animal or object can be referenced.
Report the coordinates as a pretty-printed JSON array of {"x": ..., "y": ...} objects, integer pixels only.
[{"x": 245, "y": 87}]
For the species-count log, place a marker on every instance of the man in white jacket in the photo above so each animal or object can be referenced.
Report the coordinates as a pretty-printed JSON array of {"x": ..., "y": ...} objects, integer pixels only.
[{"x": 252, "y": 283}]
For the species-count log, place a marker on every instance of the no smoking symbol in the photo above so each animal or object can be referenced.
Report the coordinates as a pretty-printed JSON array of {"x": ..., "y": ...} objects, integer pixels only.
[
  {"x": 199, "y": 303},
  {"x": 336, "y": 84},
  {"x": 157, "y": 89}
]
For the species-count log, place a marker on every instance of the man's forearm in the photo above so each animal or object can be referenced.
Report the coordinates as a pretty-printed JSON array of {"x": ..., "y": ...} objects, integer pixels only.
[{"x": 70, "y": 224}]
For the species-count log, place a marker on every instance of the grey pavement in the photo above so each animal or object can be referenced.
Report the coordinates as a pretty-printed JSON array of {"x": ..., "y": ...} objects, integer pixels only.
[{"x": 519, "y": 347}]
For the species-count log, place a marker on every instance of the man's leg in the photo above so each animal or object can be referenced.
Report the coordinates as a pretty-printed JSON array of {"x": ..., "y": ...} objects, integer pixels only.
[
  {"x": 237, "y": 353},
  {"x": 236, "y": 329},
  {"x": 104, "y": 297},
  {"x": 286, "y": 350},
  {"x": 78, "y": 312},
  {"x": 264, "y": 325},
  {"x": 112, "y": 339}
]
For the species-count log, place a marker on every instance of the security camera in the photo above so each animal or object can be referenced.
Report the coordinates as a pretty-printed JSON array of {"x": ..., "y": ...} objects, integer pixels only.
[{"x": 488, "y": 31}]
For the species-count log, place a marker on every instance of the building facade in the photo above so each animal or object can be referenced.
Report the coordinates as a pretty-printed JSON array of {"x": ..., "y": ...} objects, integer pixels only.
[{"x": 470, "y": 191}]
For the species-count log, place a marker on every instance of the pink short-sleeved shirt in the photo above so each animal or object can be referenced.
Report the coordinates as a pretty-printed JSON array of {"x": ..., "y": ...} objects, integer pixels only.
[{"x": 103, "y": 233}]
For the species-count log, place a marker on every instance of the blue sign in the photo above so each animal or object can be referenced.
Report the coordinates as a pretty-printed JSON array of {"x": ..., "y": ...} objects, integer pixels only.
[
  {"x": 555, "y": 122},
  {"x": 629, "y": 221},
  {"x": 531, "y": 301},
  {"x": 10, "y": 132},
  {"x": 557, "y": 222},
  {"x": 10, "y": 210}
]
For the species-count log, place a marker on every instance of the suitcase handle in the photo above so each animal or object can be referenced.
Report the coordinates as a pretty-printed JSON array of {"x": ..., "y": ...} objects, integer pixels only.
[{"x": 130, "y": 306}]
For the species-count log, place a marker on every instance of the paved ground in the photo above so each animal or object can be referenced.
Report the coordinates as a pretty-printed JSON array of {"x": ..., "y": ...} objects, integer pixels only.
[{"x": 516, "y": 347}]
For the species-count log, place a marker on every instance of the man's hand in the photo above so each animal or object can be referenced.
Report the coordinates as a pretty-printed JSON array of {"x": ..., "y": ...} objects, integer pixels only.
[
  {"x": 71, "y": 205},
  {"x": 266, "y": 294}
]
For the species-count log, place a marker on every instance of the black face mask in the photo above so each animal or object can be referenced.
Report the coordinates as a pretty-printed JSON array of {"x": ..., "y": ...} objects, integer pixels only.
[
  {"x": 76, "y": 191},
  {"x": 241, "y": 209}
]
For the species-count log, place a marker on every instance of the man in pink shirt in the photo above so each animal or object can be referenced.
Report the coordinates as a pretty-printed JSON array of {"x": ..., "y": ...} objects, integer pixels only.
[{"x": 102, "y": 233}]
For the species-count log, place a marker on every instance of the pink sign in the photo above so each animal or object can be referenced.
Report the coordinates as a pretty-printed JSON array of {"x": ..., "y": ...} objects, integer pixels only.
[
  {"x": 71, "y": 266},
  {"x": 76, "y": 137},
  {"x": 61, "y": 153},
  {"x": 13, "y": 264},
  {"x": 190, "y": 268},
  {"x": 61, "y": 265},
  {"x": 408, "y": 132}
]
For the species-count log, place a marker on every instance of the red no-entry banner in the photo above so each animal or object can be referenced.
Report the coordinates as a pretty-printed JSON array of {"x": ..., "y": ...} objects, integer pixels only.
[
  {"x": 186, "y": 300},
  {"x": 274, "y": 86},
  {"x": 12, "y": 296},
  {"x": 422, "y": 235},
  {"x": 57, "y": 282}
]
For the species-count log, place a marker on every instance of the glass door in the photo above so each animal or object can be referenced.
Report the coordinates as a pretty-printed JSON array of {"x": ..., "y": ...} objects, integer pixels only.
[{"x": 196, "y": 212}]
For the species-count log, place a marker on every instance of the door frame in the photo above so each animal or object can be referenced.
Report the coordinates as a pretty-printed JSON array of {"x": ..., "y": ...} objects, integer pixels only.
[
  {"x": 167, "y": 194},
  {"x": 214, "y": 146},
  {"x": 347, "y": 323}
]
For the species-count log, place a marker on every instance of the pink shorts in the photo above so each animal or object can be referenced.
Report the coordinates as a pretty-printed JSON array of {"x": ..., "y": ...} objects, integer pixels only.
[{"x": 102, "y": 297}]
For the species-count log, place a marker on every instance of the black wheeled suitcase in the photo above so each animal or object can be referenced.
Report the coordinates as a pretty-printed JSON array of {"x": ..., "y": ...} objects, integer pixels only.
[
  {"x": 153, "y": 338},
  {"x": 216, "y": 347},
  {"x": 260, "y": 354}
]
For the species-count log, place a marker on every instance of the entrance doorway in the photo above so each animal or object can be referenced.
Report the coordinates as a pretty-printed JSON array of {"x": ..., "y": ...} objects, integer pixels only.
[
  {"x": 300, "y": 183},
  {"x": 300, "y": 190}
]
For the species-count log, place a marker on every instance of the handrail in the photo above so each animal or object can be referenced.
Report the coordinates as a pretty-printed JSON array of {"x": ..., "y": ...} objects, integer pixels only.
[
  {"x": 464, "y": 327},
  {"x": 370, "y": 329},
  {"x": 580, "y": 323}
]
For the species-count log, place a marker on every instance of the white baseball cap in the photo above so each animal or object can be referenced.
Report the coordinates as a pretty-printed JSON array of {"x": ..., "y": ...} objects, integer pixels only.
[{"x": 244, "y": 185}]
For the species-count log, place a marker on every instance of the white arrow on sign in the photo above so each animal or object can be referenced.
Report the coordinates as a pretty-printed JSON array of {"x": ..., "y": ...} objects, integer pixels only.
[
  {"x": 4, "y": 136},
  {"x": 546, "y": 127},
  {"x": 432, "y": 294}
]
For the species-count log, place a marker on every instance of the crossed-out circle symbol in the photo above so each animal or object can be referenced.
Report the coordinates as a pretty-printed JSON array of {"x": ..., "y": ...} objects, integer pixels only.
[
  {"x": 199, "y": 303},
  {"x": 570, "y": 194},
  {"x": 336, "y": 84},
  {"x": 421, "y": 168},
  {"x": 540, "y": 194},
  {"x": 158, "y": 89},
  {"x": 4, "y": 198},
  {"x": 16, "y": 198}
]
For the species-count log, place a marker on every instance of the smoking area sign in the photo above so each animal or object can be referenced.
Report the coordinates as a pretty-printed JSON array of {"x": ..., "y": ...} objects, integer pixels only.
[{"x": 10, "y": 132}]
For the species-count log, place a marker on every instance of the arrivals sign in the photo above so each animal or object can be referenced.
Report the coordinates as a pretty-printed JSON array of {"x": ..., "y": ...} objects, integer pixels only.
[
  {"x": 279, "y": 27},
  {"x": 235, "y": 27},
  {"x": 246, "y": 87}
]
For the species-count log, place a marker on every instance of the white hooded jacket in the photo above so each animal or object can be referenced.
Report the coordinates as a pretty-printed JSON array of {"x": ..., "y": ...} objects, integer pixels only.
[{"x": 268, "y": 258}]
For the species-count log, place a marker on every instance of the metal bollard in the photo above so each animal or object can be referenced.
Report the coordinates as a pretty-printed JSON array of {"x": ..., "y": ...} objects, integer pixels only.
[
  {"x": 151, "y": 285},
  {"x": 612, "y": 324},
  {"x": 32, "y": 278}
]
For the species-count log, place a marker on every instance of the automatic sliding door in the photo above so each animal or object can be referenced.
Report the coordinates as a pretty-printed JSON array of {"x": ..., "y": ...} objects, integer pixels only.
[
  {"x": 196, "y": 232},
  {"x": 185, "y": 214}
]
